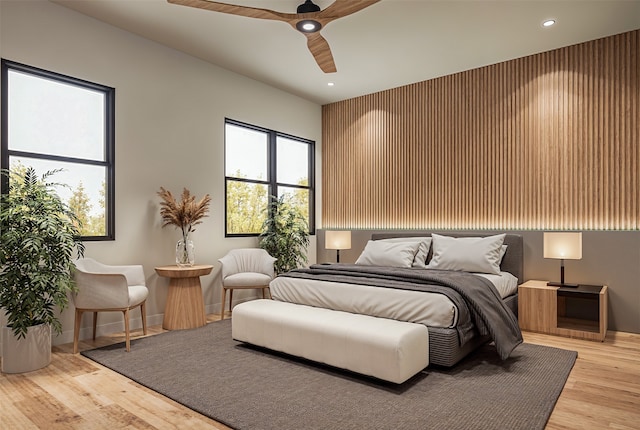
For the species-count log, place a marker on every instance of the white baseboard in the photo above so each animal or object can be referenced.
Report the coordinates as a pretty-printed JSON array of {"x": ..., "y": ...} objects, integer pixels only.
[
  {"x": 105, "y": 329},
  {"x": 136, "y": 323}
]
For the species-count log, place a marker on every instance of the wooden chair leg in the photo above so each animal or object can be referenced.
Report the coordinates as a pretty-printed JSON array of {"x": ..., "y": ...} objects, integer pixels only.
[
  {"x": 143, "y": 312},
  {"x": 263, "y": 296},
  {"x": 224, "y": 296},
  {"x": 231, "y": 301},
  {"x": 126, "y": 329},
  {"x": 76, "y": 330},
  {"x": 95, "y": 324}
]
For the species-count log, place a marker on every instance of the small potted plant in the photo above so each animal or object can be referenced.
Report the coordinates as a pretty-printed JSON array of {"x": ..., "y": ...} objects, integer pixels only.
[
  {"x": 285, "y": 235},
  {"x": 38, "y": 236},
  {"x": 185, "y": 215}
]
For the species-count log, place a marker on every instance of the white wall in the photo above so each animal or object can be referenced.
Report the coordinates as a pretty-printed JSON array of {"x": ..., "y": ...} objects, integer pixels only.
[{"x": 170, "y": 111}]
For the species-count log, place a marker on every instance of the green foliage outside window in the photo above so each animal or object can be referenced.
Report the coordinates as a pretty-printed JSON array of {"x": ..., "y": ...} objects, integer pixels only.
[
  {"x": 260, "y": 163},
  {"x": 80, "y": 204},
  {"x": 247, "y": 204}
]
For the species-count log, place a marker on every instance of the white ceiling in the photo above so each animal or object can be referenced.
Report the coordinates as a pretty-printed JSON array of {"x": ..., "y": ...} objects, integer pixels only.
[{"x": 389, "y": 44}]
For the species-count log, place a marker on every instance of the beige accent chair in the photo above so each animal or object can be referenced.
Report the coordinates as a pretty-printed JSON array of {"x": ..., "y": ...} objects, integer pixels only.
[
  {"x": 245, "y": 268},
  {"x": 103, "y": 288}
]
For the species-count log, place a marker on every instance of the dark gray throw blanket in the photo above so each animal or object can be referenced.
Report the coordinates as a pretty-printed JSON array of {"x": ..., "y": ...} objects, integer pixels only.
[{"x": 480, "y": 298}]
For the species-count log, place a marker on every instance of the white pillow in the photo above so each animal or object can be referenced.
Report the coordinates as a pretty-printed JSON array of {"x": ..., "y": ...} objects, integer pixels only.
[
  {"x": 391, "y": 254},
  {"x": 420, "y": 259},
  {"x": 468, "y": 254},
  {"x": 503, "y": 250}
]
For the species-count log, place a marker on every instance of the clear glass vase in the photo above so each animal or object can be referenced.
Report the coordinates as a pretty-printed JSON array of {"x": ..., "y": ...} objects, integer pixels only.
[{"x": 185, "y": 253}]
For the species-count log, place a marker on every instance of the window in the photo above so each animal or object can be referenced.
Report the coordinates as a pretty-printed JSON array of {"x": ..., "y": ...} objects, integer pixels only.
[
  {"x": 51, "y": 121},
  {"x": 260, "y": 163}
]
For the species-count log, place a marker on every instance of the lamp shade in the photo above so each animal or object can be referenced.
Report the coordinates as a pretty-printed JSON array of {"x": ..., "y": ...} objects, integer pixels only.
[
  {"x": 334, "y": 239},
  {"x": 566, "y": 246}
]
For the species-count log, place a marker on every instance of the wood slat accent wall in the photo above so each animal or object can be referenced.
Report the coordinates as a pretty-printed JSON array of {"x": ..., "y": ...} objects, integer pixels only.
[{"x": 549, "y": 141}]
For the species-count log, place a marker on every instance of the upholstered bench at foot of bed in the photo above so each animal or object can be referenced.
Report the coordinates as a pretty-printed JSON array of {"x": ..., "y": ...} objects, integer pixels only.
[{"x": 386, "y": 349}]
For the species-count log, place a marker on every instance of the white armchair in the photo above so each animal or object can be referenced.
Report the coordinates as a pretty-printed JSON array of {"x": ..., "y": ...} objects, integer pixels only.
[
  {"x": 247, "y": 268},
  {"x": 103, "y": 288}
]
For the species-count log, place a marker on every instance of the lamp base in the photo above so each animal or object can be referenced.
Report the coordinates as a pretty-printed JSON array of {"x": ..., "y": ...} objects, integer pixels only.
[{"x": 560, "y": 284}]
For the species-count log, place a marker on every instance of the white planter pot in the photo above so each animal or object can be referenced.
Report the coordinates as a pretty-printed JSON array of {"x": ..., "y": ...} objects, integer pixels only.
[{"x": 30, "y": 353}]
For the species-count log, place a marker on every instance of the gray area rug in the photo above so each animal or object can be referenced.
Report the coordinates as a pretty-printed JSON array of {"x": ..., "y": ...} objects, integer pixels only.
[{"x": 251, "y": 388}]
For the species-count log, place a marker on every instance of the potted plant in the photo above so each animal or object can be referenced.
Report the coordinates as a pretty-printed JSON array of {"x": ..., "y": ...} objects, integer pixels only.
[
  {"x": 285, "y": 235},
  {"x": 38, "y": 236}
]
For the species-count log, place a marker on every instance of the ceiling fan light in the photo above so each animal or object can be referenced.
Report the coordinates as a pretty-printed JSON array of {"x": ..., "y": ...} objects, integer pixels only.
[
  {"x": 308, "y": 26},
  {"x": 307, "y": 7}
]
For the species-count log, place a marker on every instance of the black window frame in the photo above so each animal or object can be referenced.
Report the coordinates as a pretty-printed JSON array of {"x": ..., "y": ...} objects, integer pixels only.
[
  {"x": 109, "y": 147},
  {"x": 272, "y": 172}
]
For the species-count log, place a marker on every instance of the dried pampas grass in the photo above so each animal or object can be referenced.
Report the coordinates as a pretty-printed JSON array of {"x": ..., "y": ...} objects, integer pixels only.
[{"x": 184, "y": 214}]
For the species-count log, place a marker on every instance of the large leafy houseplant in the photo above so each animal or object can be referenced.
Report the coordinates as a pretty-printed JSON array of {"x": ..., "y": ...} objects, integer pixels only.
[
  {"x": 285, "y": 235},
  {"x": 39, "y": 234}
]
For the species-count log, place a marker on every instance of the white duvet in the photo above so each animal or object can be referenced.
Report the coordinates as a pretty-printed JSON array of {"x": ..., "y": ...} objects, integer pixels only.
[{"x": 431, "y": 309}]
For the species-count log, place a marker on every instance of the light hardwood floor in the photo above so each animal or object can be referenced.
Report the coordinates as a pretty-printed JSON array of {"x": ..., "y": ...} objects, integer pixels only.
[{"x": 602, "y": 392}]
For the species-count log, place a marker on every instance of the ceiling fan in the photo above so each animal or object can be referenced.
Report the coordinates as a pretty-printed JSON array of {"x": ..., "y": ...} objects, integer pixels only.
[{"x": 308, "y": 20}]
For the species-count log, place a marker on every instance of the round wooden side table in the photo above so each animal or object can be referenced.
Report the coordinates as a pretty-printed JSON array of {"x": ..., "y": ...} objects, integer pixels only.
[{"x": 185, "y": 307}]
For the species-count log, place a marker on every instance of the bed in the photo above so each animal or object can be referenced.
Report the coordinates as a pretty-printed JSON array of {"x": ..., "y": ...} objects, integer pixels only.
[{"x": 455, "y": 322}]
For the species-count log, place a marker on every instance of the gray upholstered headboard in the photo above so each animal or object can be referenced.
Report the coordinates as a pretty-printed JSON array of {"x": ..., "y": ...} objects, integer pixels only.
[{"x": 513, "y": 261}]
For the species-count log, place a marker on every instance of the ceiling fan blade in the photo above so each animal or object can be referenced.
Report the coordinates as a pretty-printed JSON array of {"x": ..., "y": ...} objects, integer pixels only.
[
  {"x": 321, "y": 52},
  {"x": 341, "y": 8},
  {"x": 233, "y": 9},
  {"x": 315, "y": 42}
]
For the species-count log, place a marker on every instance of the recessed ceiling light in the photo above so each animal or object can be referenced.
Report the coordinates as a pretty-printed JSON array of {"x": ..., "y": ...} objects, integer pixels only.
[
  {"x": 330, "y": 84},
  {"x": 548, "y": 23}
]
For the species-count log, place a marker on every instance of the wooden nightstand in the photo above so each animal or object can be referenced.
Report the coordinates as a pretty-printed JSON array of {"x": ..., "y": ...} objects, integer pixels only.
[{"x": 573, "y": 312}]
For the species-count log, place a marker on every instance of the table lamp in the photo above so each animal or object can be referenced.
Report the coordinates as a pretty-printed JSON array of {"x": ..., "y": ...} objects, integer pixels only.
[
  {"x": 563, "y": 246},
  {"x": 334, "y": 239}
]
